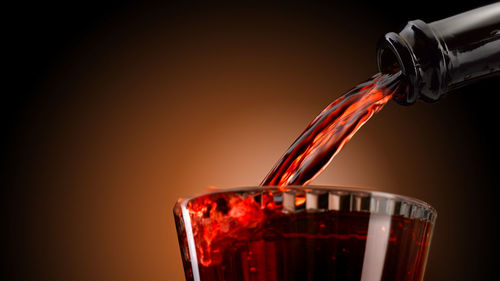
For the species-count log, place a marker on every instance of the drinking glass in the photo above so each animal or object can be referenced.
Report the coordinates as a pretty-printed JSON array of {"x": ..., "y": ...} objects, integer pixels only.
[{"x": 304, "y": 234}]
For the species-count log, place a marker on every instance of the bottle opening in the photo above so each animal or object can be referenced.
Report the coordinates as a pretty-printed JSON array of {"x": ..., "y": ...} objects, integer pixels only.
[
  {"x": 393, "y": 55},
  {"x": 389, "y": 63}
]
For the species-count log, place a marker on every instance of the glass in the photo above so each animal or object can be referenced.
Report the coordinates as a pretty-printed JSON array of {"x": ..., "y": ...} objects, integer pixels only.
[{"x": 303, "y": 233}]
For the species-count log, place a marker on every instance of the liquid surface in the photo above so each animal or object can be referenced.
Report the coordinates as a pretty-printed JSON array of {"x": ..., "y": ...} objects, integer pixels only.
[{"x": 331, "y": 130}]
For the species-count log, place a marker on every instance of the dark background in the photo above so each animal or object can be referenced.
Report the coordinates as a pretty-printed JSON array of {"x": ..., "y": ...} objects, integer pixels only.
[{"x": 111, "y": 111}]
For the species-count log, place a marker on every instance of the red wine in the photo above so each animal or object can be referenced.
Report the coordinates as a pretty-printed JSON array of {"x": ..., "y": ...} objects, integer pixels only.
[
  {"x": 240, "y": 237},
  {"x": 332, "y": 129}
]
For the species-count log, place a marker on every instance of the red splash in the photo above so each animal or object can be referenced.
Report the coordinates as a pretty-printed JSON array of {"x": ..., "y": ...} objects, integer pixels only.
[{"x": 218, "y": 221}]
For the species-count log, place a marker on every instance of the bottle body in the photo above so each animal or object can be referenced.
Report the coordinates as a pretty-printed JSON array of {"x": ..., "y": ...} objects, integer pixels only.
[{"x": 443, "y": 55}]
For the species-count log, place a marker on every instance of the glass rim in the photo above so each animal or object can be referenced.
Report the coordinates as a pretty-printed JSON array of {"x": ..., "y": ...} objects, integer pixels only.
[{"x": 364, "y": 191}]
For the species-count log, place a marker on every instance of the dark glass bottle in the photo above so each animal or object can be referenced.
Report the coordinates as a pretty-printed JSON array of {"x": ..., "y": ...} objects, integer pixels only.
[{"x": 443, "y": 55}]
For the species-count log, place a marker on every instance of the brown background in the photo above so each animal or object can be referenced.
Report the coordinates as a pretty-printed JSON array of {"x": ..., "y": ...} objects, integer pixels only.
[{"x": 118, "y": 109}]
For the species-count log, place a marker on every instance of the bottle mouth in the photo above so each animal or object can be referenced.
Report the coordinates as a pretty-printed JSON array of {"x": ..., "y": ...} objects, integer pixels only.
[
  {"x": 393, "y": 55},
  {"x": 388, "y": 62}
]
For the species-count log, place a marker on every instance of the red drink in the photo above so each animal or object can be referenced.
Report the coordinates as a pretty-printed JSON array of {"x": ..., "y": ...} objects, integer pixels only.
[
  {"x": 270, "y": 235},
  {"x": 332, "y": 129}
]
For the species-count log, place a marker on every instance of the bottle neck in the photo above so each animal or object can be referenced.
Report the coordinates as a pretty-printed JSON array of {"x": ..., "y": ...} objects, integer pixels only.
[{"x": 443, "y": 55}]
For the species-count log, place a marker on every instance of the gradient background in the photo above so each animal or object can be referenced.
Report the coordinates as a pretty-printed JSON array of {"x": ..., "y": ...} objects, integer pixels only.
[{"x": 112, "y": 111}]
